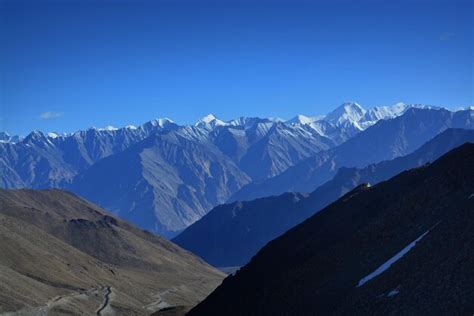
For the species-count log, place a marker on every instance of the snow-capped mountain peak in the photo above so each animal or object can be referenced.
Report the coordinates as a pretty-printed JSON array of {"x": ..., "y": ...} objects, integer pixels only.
[
  {"x": 210, "y": 121},
  {"x": 53, "y": 135},
  {"x": 208, "y": 118},
  {"x": 161, "y": 122},
  {"x": 350, "y": 112},
  {"x": 303, "y": 119}
]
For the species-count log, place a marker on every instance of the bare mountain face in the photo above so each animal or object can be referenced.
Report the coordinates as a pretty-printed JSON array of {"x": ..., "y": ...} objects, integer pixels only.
[
  {"x": 266, "y": 149},
  {"x": 61, "y": 254},
  {"x": 230, "y": 234},
  {"x": 163, "y": 177},
  {"x": 162, "y": 184},
  {"x": 401, "y": 247},
  {"x": 51, "y": 160},
  {"x": 387, "y": 139}
]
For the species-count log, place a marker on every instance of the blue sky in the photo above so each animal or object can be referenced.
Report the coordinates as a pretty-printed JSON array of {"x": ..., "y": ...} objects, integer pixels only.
[{"x": 68, "y": 65}]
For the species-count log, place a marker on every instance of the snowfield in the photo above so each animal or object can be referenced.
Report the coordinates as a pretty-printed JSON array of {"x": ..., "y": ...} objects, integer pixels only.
[{"x": 391, "y": 261}]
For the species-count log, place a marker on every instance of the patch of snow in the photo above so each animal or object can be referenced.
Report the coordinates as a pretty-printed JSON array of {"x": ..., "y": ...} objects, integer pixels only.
[
  {"x": 108, "y": 128},
  {"x": 263, "y": 128},
  {"x": 302, "y": 119},
  {"x": 161, "y": 122},
  {"x": 52, "y": 135},
  {"x": 130, "y": 127},
  {"x": 208, "y": 118},
  {"x": 393, "y": 293},
  {"x": 391, "y": 261}
]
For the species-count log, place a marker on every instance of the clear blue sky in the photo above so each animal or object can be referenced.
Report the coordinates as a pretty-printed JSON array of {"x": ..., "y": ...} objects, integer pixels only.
[{"x": 69, "y": 65}]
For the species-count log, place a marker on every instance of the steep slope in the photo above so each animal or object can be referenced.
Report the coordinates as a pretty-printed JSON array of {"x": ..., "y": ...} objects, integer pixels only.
[
  {"x": 230, "y": 234},
  {"x": 263, "y": 148},
  {"x": 61, "y": 254},
  {"x": 385, "y": 140},
  {"x": 404, "y": 246},
  {"x": 163, "y": 183},
  {"x": 280, "y": 148}
]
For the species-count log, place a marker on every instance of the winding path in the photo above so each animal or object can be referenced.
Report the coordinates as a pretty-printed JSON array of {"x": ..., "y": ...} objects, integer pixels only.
[{"x": 106, "y": 301}]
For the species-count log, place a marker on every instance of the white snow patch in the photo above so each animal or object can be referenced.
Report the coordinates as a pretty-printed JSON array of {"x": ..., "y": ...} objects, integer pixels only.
[
  {"x": 53, "y": 135},
  {"x": 108, "y": 128},
  {"x": 393, "y": 293},
  {"x": 130, "y": 127},
  {"x": 161, "y": 122},
  {"x": 303, "y": 119},
  {"x": 391, "y": 261}
]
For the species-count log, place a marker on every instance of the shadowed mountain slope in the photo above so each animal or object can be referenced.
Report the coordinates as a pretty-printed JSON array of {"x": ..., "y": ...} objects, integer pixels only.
[
  {"x": 230, "y": 234},
  {"x": 404, "y": 246}
]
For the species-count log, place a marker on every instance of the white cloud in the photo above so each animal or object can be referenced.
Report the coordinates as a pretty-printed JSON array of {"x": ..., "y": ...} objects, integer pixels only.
[{"x": 50, "y": 115}]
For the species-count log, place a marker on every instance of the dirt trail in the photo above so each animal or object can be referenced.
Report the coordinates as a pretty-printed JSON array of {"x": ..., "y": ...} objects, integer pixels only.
[{"x": 106, "y": 301}]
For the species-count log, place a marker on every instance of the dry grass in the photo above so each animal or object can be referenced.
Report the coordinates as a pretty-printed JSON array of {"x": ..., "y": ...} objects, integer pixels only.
[{"x": 59, "y": 253}]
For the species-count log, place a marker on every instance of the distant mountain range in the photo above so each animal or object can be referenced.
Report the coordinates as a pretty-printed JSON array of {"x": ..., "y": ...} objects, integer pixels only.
[
  {"x": 163, "y": 176},
  {"x": 62, "y": 255},
  {"x": 385, "y": 140},
  {"x": 230, "y": 234},
  {"x": 401, "y": 247},
  {"x": 6, "y": 138}
]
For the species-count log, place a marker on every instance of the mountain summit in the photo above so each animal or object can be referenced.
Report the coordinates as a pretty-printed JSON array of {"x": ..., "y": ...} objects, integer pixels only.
[{"x": 349, "y": 112}]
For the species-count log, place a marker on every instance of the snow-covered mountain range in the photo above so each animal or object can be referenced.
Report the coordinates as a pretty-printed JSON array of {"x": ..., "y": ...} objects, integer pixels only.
[
  {"x": 349, "y": 115},
  {"x": 163, "y": 176}
]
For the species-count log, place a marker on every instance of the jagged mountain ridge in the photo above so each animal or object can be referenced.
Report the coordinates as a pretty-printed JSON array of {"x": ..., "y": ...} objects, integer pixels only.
[{"x": 385, "y": 140}]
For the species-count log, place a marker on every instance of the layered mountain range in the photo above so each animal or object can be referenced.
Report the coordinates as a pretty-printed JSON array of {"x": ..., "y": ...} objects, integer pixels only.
[
  {"x": 230, "y": 234},
  {"x": 385, "y": 229},
  {"x": 163, "y": 176},
  {"x": 401, "y": 247},
  {"x": 385, "y": 140}
]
